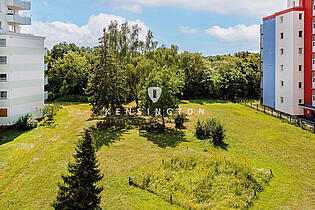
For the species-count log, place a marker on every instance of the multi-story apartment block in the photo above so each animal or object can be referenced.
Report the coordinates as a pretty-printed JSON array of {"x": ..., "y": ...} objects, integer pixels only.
[
  {"x": 288, "y": 59},
  {"x": 21, "y": 64}
]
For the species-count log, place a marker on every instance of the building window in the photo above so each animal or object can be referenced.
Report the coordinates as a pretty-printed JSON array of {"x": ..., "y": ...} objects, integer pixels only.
[
  {"x": 300, "y": 51},
  {"x": 300, "y": 16},
  {"x": 282, "y": 67},
  {"x": 281, "y": 35},
  {"x": 3, "y": 59},
  {"x": 282, "y": 100},
  {"x": 300, "y": 33},
  {"x": 281, "y": 51},
  {"x": 300, "y": 101},
  {"x": 3, "y": 77},
  {"x": 3, "y": 95},
  {"x": 300, "y": 68},
  {"x": 281, "y": 19},
  {"x": 3, "y": 42},
  {"x": 282, "y": 83},
  {"x": 3, "y": 112},
  {"x": 300, "y": 84}
]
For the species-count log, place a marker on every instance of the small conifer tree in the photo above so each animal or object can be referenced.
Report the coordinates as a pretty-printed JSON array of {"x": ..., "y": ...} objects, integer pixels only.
[{"x": 79, "y": 190}]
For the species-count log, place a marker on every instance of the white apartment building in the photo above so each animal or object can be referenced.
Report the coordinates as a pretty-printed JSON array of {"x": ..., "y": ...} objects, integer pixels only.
[{"x": 21, "y": 64}]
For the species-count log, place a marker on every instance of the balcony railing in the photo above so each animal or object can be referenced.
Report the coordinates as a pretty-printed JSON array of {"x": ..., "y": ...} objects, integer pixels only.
[
  {"x": 45, "y": 81},
  {"x": 18, "y": 4},
  {"x": 45, "y": 67},
  {"x": 45, "y": 95},
  {"x": 18, "y": 20}
]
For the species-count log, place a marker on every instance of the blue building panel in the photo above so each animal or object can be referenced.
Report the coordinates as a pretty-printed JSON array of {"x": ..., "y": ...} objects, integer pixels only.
[{"x": 269, "y": 63}]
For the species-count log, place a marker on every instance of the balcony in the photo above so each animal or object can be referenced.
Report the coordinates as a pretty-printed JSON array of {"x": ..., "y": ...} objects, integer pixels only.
[
  {"x": 18, "y": 4},
  {"x": 45, "y": 52},
  {"x": 45, "y": 95},
  {"x": 45, "y": 67},
  {"x": 45, "y": 81},
  {"x": 18, "y": 20}
]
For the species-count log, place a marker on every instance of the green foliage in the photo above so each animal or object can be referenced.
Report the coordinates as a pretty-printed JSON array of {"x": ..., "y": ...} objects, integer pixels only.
[
  {"x": 170, "y": 80},
  {"x": 68, "y": 75},
  {"x": 73, "y": 98},
  {"x": 49, "y": 111},
  {"x": 202, "y": 181},
  {"x": 210, "y": 128},
  {"x": 79, "y": 190},
  {"x": 217, "y": 133},
  {"x": 106, "y": 87},
  {"x": 180, "y": 120},
  {"x": 26, "y": 122}
]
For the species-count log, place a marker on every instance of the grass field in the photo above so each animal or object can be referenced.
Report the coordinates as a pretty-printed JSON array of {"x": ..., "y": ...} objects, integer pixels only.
[{"x": 31, "y": 162}]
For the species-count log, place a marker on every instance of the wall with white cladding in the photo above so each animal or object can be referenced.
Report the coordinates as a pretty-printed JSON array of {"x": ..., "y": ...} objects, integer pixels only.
[{"x": 288, "y": 59}]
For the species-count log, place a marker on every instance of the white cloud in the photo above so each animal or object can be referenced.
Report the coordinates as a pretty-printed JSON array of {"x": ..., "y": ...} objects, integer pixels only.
[
  {"x": 227, "y": 7},
  {"x": 187, "y": 30},
  {"x": 86, "y": 35},
  {"x": 238, "y": 35}
]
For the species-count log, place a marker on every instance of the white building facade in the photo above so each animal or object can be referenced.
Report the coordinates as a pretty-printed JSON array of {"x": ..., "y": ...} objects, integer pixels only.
[
  {"x": 21, "y": 65},
  {"x": 288, "y": 59}
]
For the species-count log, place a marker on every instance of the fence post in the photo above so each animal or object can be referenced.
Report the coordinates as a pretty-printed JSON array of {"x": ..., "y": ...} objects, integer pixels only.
[
  {"x": 264, "y": 109},
  {"x": 171, "y": 199},
  {"x": 257, "y": 107}
]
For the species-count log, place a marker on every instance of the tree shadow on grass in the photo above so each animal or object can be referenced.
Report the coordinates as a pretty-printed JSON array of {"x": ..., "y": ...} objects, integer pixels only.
[
  {"x": 222, "y": 145},
  {"x": 107, "y": 136},
  {"x": 168, "y": 138},
  {"x": 9, "y": 134},
  {"x": 207, "y": 101}
]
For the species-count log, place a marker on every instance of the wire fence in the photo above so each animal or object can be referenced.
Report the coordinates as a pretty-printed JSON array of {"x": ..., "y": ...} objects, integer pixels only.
[
  {"x": 303, "y": 123},
  {"x": 170, "y": 198}
]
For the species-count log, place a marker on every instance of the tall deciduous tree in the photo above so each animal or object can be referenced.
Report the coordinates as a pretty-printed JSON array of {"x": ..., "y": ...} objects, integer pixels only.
[
  {"x": 68, "y": 75},
  {"x": 106, "y": 88},
  {"x": 79, "y": 190},
  {"x": 170, "y": 80}
]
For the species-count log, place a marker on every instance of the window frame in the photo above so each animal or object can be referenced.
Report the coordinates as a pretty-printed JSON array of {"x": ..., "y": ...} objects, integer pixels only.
[
  {"x": 7, "y": 95},
  {"x": 7, "y": 112},
  {"x": 5, "y": 42},
  {"x": 6, "y": 60},
  {"x": 4, "y": 73}
]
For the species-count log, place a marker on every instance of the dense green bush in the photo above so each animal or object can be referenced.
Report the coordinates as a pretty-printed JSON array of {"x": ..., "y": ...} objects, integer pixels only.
[
  {"x": 210, "y": 128},
  {"x": 180, "y": 120},
  {"x": 50, "y": 111},
  {"x": 217, "y": 133},
  {"x": 26, "y": 122},
  {"x": 203, "y": 129}
]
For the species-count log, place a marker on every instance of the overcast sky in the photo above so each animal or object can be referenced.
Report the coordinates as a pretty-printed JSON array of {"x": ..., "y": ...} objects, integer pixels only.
[{"x": 210, "y": 27}]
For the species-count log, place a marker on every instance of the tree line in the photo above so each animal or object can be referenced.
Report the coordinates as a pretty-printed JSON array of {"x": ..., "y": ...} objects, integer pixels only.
[{"x": 121, "y": 68}]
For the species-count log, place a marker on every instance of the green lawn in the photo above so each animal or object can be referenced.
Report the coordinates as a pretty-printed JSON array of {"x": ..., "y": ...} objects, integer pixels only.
[{"x": 31, "y": 163}]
